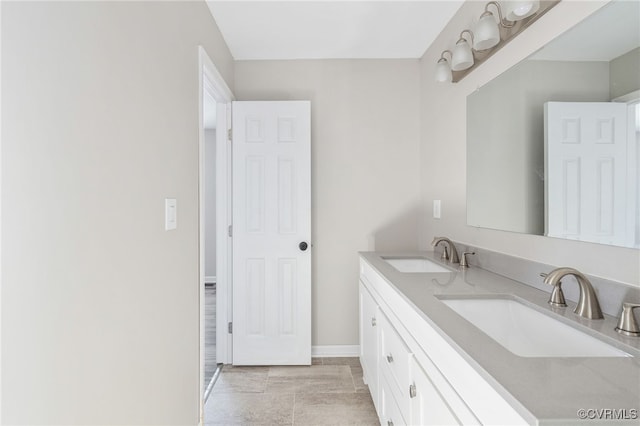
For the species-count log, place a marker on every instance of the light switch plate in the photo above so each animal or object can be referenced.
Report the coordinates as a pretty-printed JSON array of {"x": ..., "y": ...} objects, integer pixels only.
[
  {"x": 170, "y": 214},
  {"x": 436, "y": 209}
]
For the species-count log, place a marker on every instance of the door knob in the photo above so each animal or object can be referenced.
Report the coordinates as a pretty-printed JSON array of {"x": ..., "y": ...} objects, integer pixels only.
[{"x": 303, "y": 246}]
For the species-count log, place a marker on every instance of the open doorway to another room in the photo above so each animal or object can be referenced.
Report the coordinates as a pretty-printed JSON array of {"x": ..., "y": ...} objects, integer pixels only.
[
  {"x": 210, "y": 121},
  {"x": 214, "y": 199}
]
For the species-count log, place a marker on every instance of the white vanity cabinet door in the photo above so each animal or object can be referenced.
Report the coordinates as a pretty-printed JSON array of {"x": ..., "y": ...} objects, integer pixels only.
[
  {"x": 389, "y": 412},
  {"x": 428, "y": 407},
  {"x": 369, "y": 314}
]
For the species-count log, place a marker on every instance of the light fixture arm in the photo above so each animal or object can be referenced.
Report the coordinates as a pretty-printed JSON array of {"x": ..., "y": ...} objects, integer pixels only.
[
  {"x": 502, "y": 21},
  {"x": 464, "y": 39},
  {"x": 442, "y": 58}
]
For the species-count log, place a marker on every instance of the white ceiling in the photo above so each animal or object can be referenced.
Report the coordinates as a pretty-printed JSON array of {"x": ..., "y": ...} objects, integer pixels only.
[{"x": 330, "y": 29}]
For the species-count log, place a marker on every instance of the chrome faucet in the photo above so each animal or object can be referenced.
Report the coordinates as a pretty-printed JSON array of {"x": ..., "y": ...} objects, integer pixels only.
[
  {"x": 453, "y": 258},
  {"x": 588, "y": 306}
]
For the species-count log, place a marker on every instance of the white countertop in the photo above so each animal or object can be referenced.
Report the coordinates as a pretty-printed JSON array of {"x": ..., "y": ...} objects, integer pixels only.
[{"x": 552, "y": 390}]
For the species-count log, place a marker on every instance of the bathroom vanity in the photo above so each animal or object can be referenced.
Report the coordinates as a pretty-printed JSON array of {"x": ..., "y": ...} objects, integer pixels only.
[{"x": 441, "y": 344}]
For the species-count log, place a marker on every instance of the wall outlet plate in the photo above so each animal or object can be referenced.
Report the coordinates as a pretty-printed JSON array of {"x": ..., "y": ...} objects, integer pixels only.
[
  {"x": 170, "y": 214},
  {"x": 436, "y": 209}
]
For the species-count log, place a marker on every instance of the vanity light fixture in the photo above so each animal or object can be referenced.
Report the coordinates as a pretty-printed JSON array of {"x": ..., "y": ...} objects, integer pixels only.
[
  {"x": 443, "y": 69},
  {"x": 489, "y": 36}
]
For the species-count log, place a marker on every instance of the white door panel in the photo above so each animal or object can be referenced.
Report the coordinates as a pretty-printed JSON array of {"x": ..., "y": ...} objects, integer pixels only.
[
  {"x": 586, "y": 168},
  {"x": 271, "y": 218}
]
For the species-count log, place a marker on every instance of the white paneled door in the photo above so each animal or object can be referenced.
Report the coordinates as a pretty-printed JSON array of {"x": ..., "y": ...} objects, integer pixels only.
[
  {"x": 586, "y": 171},
  {"x": 271, "y": 233}
]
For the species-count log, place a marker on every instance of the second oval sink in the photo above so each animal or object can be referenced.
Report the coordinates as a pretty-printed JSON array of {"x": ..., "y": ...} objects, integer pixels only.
[{"x": 528, "y": 333}]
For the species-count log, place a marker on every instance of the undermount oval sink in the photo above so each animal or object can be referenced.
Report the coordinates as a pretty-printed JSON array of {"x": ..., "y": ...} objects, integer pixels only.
[
  {"x": 527, "y": 332},
  {"x": 414, "y": 264}
]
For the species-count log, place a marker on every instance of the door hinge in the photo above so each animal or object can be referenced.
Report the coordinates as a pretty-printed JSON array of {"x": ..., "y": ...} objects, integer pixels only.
[
  {"x": 230, "y": 134},
  {"x": 230, "y": 328},
  {"x": 230, "y": 230}
]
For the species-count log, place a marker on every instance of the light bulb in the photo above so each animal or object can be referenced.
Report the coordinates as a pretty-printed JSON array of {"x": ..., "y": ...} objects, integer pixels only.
[
  {"x": 518, "y": 10},
  {"x": 523, "y": 9}
]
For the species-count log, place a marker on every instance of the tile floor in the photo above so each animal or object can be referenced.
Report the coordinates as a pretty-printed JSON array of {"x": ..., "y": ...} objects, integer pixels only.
[{"x": 330, "y": 391}]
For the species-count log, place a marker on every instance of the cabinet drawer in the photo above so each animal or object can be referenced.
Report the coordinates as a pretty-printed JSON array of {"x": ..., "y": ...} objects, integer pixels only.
[
  {"x": 390, "y": 415},
  {"x": 394, "y": 360}
]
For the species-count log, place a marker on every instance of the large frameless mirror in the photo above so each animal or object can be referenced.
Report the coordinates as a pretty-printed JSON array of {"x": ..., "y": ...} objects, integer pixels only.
[{"x": 553, "y": 144}]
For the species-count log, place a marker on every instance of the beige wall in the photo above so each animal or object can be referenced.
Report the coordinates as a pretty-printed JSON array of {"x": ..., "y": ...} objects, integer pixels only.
[
  {"x": 624, "y": 73},
  {"x": 100, "y": 309},
  {"x": 365, "y": 179},
  {"x": 443, "y": 151}
]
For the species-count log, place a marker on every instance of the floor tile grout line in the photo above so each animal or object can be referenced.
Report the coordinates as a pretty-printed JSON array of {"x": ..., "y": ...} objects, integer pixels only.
[
  {"x": 293, "y": 410},
  {"x": 353, "y": 380}
]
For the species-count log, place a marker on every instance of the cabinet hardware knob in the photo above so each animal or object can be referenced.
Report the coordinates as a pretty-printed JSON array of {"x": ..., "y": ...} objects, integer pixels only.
[
  {"x": 390, "y": 358},
  {"x": 373, "y": 321},
  {"x": 412, "y": 391},
  {"x": 389, "y": 422}
]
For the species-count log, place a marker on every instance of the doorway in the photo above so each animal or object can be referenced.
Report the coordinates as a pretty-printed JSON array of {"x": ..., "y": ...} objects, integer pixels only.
[
  {"x": 209, "y": 109},
  {"x": 214, "y": 218}
]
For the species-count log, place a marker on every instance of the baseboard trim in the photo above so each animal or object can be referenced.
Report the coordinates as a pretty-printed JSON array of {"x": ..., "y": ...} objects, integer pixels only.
[
  {"x": 332, "y": 351},
  {"x": 210, "y": 280}
]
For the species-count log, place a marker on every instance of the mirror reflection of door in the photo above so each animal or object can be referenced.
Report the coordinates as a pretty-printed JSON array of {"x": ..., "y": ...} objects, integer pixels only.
[{"x": 587, "y": 165}]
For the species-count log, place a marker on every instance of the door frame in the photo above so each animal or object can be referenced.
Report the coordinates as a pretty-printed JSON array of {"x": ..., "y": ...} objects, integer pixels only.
[
  {"x": 0, "y": 215},
  {"x": 633, "y": 169},
  {"x": 211, "y": 81}
]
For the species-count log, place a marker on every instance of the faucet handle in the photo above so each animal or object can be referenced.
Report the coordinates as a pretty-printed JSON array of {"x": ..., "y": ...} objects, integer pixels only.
[
  {"x": 627, "y": 324},
  {"x": 463, "y": 261},
  {"x": 557, "y": 296}
]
